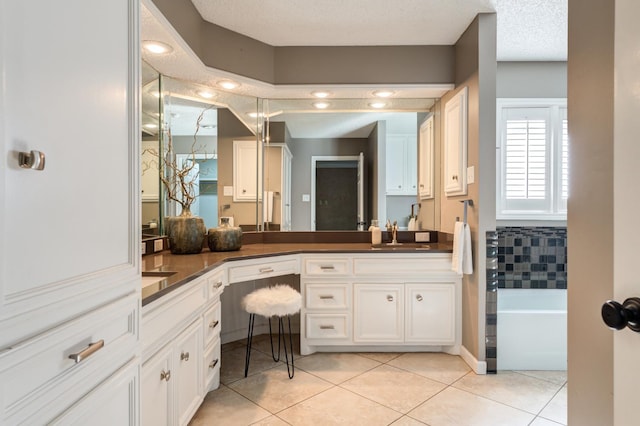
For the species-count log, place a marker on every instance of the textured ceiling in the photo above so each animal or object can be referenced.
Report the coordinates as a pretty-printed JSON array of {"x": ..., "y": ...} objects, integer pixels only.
[{"x": 534, "y": 30}]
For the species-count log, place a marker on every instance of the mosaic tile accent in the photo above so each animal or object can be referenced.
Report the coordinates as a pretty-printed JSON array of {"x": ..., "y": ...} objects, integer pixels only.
[
  {"x": 491, "y": 314},
  {"x": 532, "y": 257}
]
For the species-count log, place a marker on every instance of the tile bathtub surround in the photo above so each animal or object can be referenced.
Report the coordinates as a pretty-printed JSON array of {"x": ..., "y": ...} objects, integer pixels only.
[
  {"x": 383, "y": 389},
  {"x": 532, "y": 257},
  {"x": 491, "y": 312}
]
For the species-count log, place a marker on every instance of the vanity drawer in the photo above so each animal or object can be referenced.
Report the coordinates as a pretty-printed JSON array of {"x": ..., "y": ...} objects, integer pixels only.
[
  {"x": 326, "y": 266},
  {"x": 215, "y": 284},
  {"x": 263, "y": 269},
  {"x": 327, "y": 296},
  {"x": 212, "y": 366},
  {"x": 327, "y": 326},
  {"x": 60, "y": 366},
  {"x": 212, "y": 323}
]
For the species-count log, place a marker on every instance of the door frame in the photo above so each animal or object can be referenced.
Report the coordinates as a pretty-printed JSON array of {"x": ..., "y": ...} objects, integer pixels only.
[{"x": 320, "y": 158}]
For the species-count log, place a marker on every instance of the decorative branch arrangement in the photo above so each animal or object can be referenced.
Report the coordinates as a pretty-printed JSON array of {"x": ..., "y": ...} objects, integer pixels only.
[{"x": 180, "y": 179}]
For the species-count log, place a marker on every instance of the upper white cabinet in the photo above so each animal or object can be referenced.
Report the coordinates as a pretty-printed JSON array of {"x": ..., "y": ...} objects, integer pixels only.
[
  {"x": 246, "y": 171},
  {"x": 455, "y": 144},
  {"x": 70, "y": 231},
  {"x": 401, "y": 165},
  {"x": 425, "y": 162}
]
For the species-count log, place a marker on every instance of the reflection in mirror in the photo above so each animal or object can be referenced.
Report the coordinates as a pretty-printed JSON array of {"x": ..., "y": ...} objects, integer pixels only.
[
  {"x": 150, "y": 182},
  {"x": 320, "y": 183}
]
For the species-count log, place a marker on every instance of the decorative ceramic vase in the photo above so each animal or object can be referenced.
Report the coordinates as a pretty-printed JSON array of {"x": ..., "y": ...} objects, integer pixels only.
[
  {"x": 225, "y": 237},
  {"x": 186, "y": 234}
]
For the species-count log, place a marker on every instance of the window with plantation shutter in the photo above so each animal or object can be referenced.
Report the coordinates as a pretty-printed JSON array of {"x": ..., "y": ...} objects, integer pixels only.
[{"x": 532, "y": 159}]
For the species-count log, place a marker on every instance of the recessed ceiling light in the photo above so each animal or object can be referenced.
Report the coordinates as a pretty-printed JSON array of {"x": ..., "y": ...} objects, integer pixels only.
[
  {"x": 383, "y": 93},
  {"x": 156, "y": 94},
  {"x": 321, "y": 94},
  {"x": 150, "y": 126},
  {"x": 156, "y": 47},
  {"x": 377, "y": 104},
  {"x": 206, "y": 94},
  {"x": 321, "y": 105},
  {"x": 208, "y": 126},
  {"x": 228, "y": 84},
  {"x": 255, "y": 114}
]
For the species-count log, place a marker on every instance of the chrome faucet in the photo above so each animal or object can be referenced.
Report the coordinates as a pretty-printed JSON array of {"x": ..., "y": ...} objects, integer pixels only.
[{"x": 394, "y": 232}]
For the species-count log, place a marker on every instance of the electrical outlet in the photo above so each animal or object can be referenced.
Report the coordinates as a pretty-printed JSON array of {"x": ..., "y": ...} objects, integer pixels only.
[
  {"x": 143, "y": 248},
  {"x": 422, "y": 237},
  {"x": 306, "y": 198},
  {"x": 157, "y": 245}
]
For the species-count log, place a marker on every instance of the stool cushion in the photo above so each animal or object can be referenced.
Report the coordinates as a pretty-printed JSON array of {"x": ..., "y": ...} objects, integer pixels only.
[{"x": 279, "y": 300}]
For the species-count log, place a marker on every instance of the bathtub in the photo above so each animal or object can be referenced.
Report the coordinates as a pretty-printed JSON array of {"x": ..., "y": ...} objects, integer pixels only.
[{"x": 532, "y": 329}]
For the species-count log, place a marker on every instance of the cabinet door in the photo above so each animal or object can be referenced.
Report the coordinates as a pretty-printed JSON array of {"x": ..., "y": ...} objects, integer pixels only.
[
  {"x": 395, "y": 165},
  {"x": 246, "y": 170},
  {"x": 69, "y": 231},
  {"x": 430, "y": 313},
  {"x": 155, "y": 389},
  {"x": 426, "y": 163},
  {"x": 455, "y": 144},
  {"x": 189, "y": 378},
  {"x": 378, "y": 313}
]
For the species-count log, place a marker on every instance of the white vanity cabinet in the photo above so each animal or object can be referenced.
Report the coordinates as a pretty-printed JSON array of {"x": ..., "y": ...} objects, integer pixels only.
[
  {"x": 181, "y": 350},
  {"x": 455, "y": 144},
  {"x": 403, "y": 301}
]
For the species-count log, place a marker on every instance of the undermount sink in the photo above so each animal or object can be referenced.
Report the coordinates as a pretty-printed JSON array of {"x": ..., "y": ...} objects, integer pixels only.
[
  {"x": 401, "y": 246},
  {"x": 153, "y": 277}
]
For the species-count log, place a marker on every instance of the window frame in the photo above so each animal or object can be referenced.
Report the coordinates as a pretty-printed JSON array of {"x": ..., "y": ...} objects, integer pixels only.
[{"x": 553, "y": 206}]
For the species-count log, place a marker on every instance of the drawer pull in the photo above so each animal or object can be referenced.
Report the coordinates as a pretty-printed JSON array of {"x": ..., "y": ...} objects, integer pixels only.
[
  {"x": 419, "y": 298},
  {"x": 91, "y": 349},
  {"x": 165, "y": 375},
  {"x": 328, "y": 268},
  {"x": 214, "y": 324},
  {"x": 390, "y": 298},
  {"x": 213, "y": 363},
  {"x": 327, "y": 327},
  {"x": 266, "y": 270},
  {"x": 218, "y": 284},
  {"x": 325, "y": 297},
  {"x": 184, "y": 356}
]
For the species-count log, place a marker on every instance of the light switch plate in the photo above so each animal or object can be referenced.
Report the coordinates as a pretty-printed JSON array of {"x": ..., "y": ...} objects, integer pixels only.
[
  {"x": 471, "y": 174},
  {"x": 306, "y": 198},
  {"x": 227, "y": 191},
  {"x": 422, "y": 237}
]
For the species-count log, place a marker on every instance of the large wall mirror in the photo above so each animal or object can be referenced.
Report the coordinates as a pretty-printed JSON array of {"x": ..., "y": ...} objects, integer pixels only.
[{"x": 284, "y": 164}]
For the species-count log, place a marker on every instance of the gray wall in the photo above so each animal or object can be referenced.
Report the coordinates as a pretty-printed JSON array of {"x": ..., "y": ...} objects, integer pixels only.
[
  {"x": 531, "y": 80},
  {"x": 590, "y": 77},
  {"x": 302, "y": 151}
]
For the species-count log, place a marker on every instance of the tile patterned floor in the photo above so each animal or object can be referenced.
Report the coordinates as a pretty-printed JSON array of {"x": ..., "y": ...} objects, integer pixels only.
[{"x": 378, "y": 389}]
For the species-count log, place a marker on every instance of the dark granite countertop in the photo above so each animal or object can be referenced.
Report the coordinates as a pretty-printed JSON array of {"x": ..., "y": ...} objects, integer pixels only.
[{"x": 189, "y": 267}]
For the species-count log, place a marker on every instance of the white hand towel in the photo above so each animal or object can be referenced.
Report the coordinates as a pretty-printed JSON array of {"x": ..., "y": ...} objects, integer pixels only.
[{"x": 461, "y": 261}]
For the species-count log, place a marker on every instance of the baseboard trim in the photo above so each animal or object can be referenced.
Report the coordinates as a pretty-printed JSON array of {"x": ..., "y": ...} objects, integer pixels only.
[{"x": 479, "y": 367}]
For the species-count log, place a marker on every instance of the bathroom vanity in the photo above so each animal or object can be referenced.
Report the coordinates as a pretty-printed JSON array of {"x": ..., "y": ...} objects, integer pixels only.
[{"x": 355, "y": 298}]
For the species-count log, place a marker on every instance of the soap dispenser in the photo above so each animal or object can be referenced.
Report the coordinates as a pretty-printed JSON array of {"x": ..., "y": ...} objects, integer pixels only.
[{"x": 376, "y": 233}]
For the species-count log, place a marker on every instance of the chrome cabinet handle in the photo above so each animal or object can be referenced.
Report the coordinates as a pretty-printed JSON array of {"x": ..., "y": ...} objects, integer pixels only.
[
  {"x": 454, "y": 177},
  {"x": 213, "y": 363},
  {"x": 419, "y": 298},
  {"x": 326, "y": 297},
  {"x": 86, "y": 353},
  {"x": 218, "y": 284},
  {"x": 31, "y": 160},
  {"x": 214, "y": 324},
  {"x": 327, "y": 268},
  {"x": 327, "y": 327},
  {"x": 266, "y": 270},
  {"x": 165, "y": 375},
  {"x": 390, "y": 298},
  {"x": 184, "y": 356}
]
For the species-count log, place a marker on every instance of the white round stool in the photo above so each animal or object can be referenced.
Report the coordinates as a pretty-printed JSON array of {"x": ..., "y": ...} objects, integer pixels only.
[{"x": 281, "y": 301}]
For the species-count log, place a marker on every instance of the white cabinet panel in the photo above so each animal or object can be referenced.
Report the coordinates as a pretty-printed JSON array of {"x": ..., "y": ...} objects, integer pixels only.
[
  {"x": 189, "y": 380},
  {"x": 156, "y": 391},
  {"x": 401, "y": 165},
  {"x": 246, "y": 170},
  {"x": 328, "y": 326},
  {"x": 426, "y": 162},
  {"x": 378, "y": 313},
  {"x": 430, "y": 313},
  {"x": 455, "y": 144}
]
